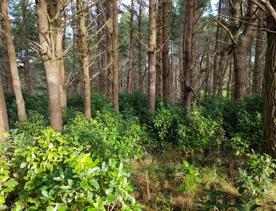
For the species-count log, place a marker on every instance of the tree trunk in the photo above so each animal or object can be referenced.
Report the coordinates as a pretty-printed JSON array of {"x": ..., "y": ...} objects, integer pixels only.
[
  {"x": 4, "y": 124},
  {"x": 115, "y": 47},
  {"x": 131, "y": 47},
  {"x": 269, "y": 113},
  {"x": 217, "y": 57},
  {"x": 159, "y": 75},
  {"x": 140, "y": 57},
  {"x": 256, "y": 86},
  {"x": 165, "y": 50},
  {"x": 57, "y": 9},
  {"x": 101, "y": 48},
  {"x": 84, "y": 58},
  {"x": 6, "y": 64},
  {"x": 12, "y": 60},
  {"x": 241, "y": 51},
  {"x": 51, "y": 63},
  {"x": 186, "y": 78},
  {"x": 152, "y": 56},
  {"x": 26, "y": 58}
]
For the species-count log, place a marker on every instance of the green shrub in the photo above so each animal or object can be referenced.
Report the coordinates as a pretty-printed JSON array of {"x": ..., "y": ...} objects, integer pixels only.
[
  {"x": 191, "y": 177},
  {"x": 82, "y": 169},
  {"x": 199, "y": 133},
  {"x": 134, "y": 104},
  {"x": 220, "y": 200},
  {"x": 255, "y": 176},
  {"x": 166, "y": 121}
]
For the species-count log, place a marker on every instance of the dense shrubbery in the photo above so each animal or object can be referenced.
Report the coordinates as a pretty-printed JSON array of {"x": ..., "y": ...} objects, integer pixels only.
[
  {"x": 134, "y": 104},
  {"x": 239, "y": 118},
  {"x": 255, "y": 176},
  {"x": 199, "y": 133},
  {"x": 83, "y": 168}
]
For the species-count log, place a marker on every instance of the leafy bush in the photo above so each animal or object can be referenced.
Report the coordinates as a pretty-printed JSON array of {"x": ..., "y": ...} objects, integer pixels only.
[
  {"x": 239, "y": 118},
  {"x": 191, "y": 177},
  {"x": 220, "y": 200},
  {"x": 134, "y": 104},
  {"x": 255, "y": 177},
  {"x": 199, "y": 133},
  {"x": 166, "y": 121},
  {"x": 84, "y": 168}
]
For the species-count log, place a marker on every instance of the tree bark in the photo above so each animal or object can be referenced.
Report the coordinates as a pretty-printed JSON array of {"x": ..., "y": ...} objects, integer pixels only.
[
  {"x": 186, "y": 79},
  {"x": 84, "y": 58},
  {"x": 256, "y": 85},
  {"x": 152, "y": 56},
  {"x": 269, "y": 113},
  {"x": 12, "y": 60},
  {"x": 159, "y": 75},
  {"x": 4, "y": 124},
  {"x": 51, "y": 62},
  {"x": 241, "y": 50},
  {"x": 115, "y": 47},
  {"x": 26, "y": 59},
  {"x": 140, "y": 57},
  {"x": 165, "y": 50},
  {"x": 131, "y": 47}
]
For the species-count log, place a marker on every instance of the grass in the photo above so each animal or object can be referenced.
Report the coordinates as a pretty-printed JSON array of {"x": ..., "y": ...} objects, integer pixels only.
[{"x": 157, "y": 178}]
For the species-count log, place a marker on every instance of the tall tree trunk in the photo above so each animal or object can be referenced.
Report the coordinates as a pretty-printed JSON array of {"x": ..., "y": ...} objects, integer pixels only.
[
  {"x": 84, "y": 58},
  {"x": 4, "y": 124},
  {"x": 57, "y": 7},
  {"x": 241, "y": 51},
  {"x": 140, "y": 57},
  {"x": 256, "y": 86},
  {"x": 26, "y": 59},
  {"x": 50, "y": 61},
  {"x": 131, "y": 47},
  {"x": 186, "y": 78},
  {"x": 6, "y": 63},
  {"x": 101, "y": 48},
  {"x": 152, "y": 56},
  {"x": 269, "y": 113},
  {"x": 12, "y": 60},
  {"x": 217, "y": 57},
  {"x": 165, "y": 50},
  {"x": 159, "y": 75},
  {"x": 115, "y": 47},
  {"x": 109, "y": 53}
]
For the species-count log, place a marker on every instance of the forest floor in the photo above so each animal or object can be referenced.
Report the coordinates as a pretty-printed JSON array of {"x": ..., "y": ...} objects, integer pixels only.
[{"x": 157, "y": 177}]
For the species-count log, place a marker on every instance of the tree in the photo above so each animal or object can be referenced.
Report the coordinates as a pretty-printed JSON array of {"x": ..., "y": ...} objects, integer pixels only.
[
  {"x": 165, "y": 50},
  {"x": 152, "y": 56},
  {"x": 186, "y": 78},
  {"x": 131, "y": 48},
  {"x": 256, "y": 85},
  {"x": 84, "y": 58},
  {"x": 269, "y": 113},
  {"x": 242, "y": 43},
  {"x": 12, "y": 61},
  {"x": 50, "y": 57},
  {"x": 113, "y": 45},
  {"x": 4, "y": 124},
  {"x": 26, "y": 59}
]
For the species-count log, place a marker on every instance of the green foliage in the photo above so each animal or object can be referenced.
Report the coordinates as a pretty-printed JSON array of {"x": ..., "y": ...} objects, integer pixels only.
[
  {"x": 239, "y": 118},
  {"x": 220, "y": 200},
  {"x": 255, "y": 176},
  {"x": 191, "y": 177},
  {"x": 199, "y": 133},
  {"x": 166, "y": 121},
  {"x": 84, "y": 168},
  {"x": 134, "y": 104}
]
